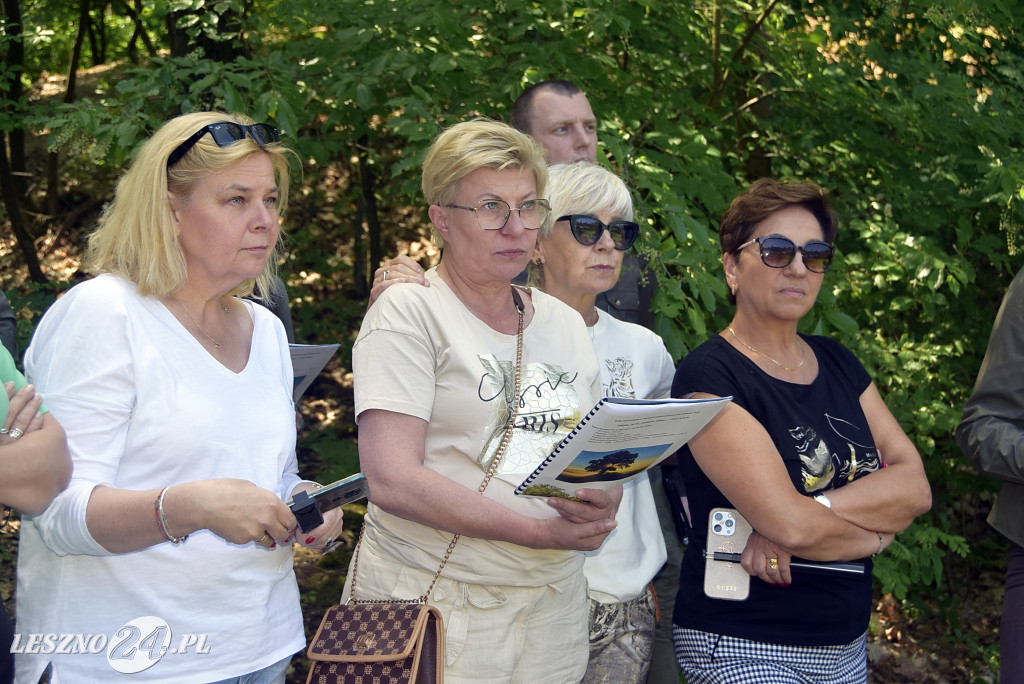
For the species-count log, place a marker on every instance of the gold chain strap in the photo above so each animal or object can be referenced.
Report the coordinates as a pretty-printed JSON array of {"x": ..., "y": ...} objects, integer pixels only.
[{"x": 491, "y": 469}]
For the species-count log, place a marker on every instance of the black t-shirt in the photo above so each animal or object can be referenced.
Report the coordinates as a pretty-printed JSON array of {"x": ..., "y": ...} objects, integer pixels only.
[{"x": 824, "y": 440}]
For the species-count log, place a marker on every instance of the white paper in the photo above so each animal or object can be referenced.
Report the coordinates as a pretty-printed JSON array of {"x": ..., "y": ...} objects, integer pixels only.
[
  {"x": 619, "y": 439},
  {"x": 307, "y": 362}
]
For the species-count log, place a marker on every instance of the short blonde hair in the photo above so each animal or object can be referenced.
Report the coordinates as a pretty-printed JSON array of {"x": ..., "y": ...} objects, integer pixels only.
[
  {"x": 137, "y": 239},
  {"x": 478, "y": 144},
  {"x": 582, "y": 187}
]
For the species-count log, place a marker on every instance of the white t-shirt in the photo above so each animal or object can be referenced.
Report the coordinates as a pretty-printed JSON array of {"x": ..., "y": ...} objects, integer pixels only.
[
  {"x": 421, "y": 352},
  {"x": 634, "y": 363},
  {"x": 145, "y": 406}
]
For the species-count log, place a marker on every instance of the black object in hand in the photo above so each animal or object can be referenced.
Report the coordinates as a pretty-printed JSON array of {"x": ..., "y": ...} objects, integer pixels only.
[{"x": 309, "y": 508}]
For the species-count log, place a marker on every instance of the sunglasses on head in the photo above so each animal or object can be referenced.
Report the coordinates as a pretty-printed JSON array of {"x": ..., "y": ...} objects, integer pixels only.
[
  {"x": 224, "y": 134},
  {"x": 587, "y": 230},
  {"x": 778, "y": 252}
]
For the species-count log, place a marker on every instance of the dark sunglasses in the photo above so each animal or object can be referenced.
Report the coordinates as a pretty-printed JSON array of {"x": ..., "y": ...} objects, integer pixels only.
[
  {"x": 224, "y": 134},
  {"x": 587, "y": 230},
  {"x": 778, "y": 252}
]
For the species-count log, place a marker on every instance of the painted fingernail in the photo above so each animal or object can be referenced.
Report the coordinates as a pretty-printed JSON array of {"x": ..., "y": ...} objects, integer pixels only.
[{"x": 310, "y": 540}]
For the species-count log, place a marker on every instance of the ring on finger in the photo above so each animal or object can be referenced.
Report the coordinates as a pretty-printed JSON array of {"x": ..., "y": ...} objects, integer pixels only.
[
  {"x": 773, "y": 563},
  {"x": 4, "y": 431},
  {"x": 15, "y": 433},
  {"x": 385, "y": 278},
  {"x": 261, "y": 539}
]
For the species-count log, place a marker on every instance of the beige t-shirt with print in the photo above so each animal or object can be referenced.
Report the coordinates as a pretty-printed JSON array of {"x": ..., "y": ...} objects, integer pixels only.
[{"x": 420, "y": 352}]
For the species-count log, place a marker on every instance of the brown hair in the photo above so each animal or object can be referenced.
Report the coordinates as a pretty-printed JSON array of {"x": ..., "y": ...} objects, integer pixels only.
[{"x": 767, "y": 196}]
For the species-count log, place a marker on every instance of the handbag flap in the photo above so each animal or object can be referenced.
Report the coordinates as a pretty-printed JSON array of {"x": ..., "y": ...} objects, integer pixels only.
[{"x": 365, "y": 632}]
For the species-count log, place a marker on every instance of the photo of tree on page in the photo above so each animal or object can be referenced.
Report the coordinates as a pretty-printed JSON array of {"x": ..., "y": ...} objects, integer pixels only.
[
  {"x": 604, "y": 466},
  {"x": 614, "y": 465}
]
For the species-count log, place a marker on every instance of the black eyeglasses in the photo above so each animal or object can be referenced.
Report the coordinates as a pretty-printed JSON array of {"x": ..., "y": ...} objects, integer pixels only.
[
  {"x": 778, "y": 252},
  {"x": 587, "y": 230},
  {"x": 224, "y": 134},
  {"x": 493, "y": 214}
]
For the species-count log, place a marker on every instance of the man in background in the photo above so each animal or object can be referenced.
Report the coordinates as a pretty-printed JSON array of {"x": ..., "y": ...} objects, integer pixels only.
[{"x": 558, "y": 115}]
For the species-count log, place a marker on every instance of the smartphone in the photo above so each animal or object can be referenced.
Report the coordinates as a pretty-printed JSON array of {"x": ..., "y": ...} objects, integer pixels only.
[
  {"x": 309, "y": 507},
  {"x": 727, "y": 534}
]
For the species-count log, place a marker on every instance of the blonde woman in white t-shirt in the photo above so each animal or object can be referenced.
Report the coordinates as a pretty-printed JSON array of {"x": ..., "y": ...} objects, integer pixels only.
[
  {"x": 435, "y": 369},
  {"x": 172, "y": 544}
]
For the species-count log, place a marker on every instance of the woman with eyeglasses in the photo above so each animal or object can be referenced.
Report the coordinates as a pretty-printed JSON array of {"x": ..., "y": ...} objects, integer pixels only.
[
  {"x": 806, "y": 452},
  {"x": 440, "y": 372},
  {"x": 578, "y": 256},
  {"x": 170, "y": 551}
]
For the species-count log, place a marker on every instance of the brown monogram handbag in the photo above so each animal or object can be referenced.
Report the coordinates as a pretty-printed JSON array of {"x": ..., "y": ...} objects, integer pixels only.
[{"x": 386, "y": 641}]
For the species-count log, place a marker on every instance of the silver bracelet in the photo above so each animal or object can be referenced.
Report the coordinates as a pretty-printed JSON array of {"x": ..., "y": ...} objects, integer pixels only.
[
  {"x": 880, "y": 542},
  {"x": 161, "y": 519}
]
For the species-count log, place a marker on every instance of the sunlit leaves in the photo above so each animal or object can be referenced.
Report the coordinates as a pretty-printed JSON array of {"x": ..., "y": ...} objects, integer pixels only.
[{"x": 911, "y": 114}]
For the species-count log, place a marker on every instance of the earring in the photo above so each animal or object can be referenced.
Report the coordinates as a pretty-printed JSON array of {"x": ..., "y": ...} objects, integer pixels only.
[
  {"x": 538, "y": 261},
  {"x": 733, "y": 289}
]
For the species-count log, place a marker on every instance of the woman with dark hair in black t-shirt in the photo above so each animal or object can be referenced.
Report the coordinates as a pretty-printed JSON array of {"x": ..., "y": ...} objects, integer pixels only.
[{"x": 807, "y": 452}]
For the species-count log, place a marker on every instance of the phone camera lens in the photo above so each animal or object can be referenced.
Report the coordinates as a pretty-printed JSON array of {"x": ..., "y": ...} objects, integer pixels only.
[
  {"x": 718, "y": 529},
  {"x": 729, "y": 523}
]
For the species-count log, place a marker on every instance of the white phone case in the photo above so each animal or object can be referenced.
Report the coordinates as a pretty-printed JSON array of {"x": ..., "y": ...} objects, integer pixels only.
[{"x": 727, "y": 533}]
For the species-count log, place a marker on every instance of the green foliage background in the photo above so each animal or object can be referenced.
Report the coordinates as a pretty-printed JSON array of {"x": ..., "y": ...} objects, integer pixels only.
[{"x": 910, "y": 112}]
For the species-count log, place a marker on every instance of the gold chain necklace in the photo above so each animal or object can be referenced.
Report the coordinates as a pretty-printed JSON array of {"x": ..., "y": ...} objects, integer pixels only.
[
  {"x": 761, "y": 353},
  {"x": 227, "y": 320}
]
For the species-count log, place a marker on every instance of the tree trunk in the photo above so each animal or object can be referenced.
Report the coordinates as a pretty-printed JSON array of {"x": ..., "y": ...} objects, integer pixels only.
[
  {"x": 140, "y": 32},
  {"x": 176, "y": 38},
  {"x": 76, "y": 52},
  {"x": 359, "y": 284},
  {"x": 14, "y": 93},
  {"x": 368, "y": 185},
  {"x": 53, "y": 160},
  {"x": 94, "y": 42},
  {"x": 104, "y": 35},
  {"x": 10, "y": 199}
]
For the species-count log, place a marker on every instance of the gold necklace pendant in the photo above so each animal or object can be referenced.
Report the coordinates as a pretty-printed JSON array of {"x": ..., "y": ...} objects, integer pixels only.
[
  {"x": 227, "y": 321},
  {"x": 761, "y": 353}
]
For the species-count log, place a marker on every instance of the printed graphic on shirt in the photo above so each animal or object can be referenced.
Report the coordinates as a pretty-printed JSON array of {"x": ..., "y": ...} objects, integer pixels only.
[
  {"x": 549, "y": 408},
  {"x": 621, "y": 370},
  {"x": 841, "y": 456}
]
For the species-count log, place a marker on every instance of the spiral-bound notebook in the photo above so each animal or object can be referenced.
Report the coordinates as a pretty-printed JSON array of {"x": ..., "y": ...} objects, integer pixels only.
[{"x": 619, "y": 439}]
